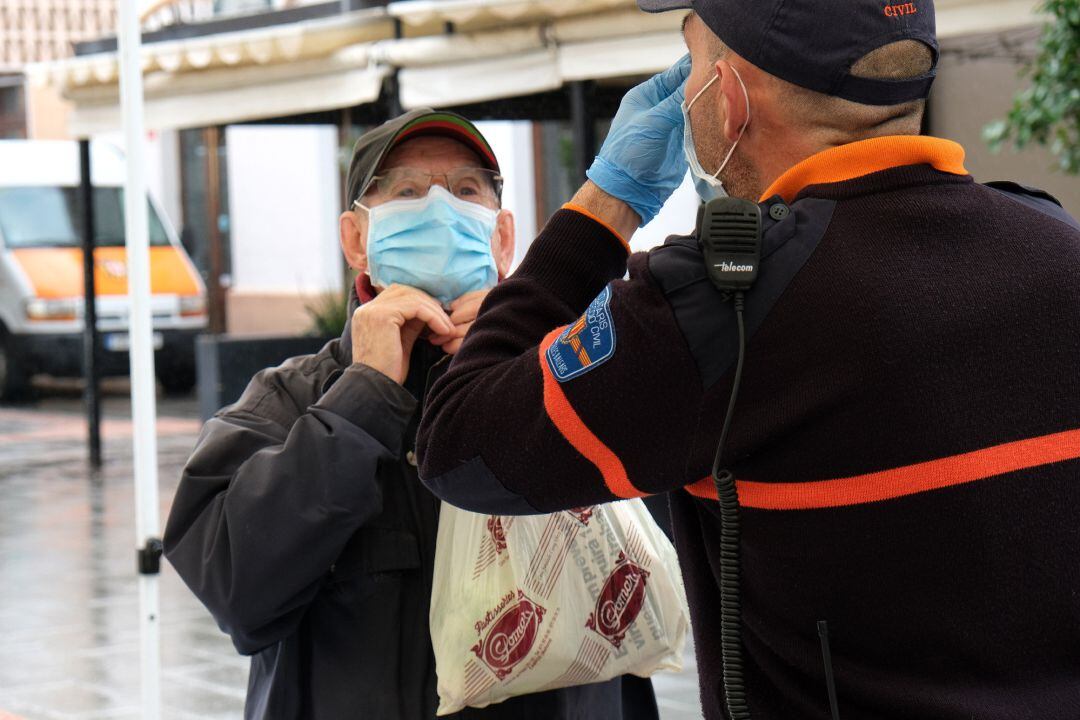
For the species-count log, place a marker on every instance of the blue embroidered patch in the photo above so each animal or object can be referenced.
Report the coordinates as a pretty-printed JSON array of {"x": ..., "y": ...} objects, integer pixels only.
[{"x": 587, "y": 343}]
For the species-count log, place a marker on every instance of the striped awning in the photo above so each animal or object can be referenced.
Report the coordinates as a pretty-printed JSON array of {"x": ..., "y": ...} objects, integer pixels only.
[{"x": 449, "y": 52}]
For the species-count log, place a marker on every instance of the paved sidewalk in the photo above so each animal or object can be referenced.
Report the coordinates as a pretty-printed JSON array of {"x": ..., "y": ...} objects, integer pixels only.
[
  {"x": 68, "y": 596},
  {"x": 69, "y": 629}
]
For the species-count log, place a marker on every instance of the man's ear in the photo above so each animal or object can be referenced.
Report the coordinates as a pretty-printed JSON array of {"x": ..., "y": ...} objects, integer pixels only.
[
  {"x": 502, "y": 242},
  {"x": 352, "y": 228},
  {"x": 733, "y": 99}
]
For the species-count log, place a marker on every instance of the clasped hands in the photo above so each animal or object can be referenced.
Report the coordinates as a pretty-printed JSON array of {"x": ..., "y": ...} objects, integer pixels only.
[{"x": 385, "y": 329}]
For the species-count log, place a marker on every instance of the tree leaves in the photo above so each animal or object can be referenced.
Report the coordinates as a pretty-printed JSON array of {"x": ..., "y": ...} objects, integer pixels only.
[{"x": 1048, "y": 112}]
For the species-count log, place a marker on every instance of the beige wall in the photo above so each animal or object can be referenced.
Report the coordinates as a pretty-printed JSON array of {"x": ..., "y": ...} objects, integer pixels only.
[
  {"x": 252, "y": 313},
  {"x": 46, "y": 113},
  {"x": 969, "y": 94}
]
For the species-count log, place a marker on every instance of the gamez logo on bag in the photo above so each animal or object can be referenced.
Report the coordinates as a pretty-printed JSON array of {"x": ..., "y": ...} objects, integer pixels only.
[
  {"x": 498, "y": 534},
  {"x": 510, "y": 636},
  {"x": 620, "y": 601},
  {"x": 581, "y": 514}
]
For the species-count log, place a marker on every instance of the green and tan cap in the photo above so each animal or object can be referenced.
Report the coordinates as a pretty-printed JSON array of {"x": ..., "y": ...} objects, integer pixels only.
[{"x": 372, "y": 147}]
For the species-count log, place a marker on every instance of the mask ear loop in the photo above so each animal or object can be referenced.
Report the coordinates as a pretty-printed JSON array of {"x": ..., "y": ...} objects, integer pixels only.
[
  {"x": 742, "y": 130},
  {"x": 699, "y": 92},
  {"x": 356, "y": 203}
]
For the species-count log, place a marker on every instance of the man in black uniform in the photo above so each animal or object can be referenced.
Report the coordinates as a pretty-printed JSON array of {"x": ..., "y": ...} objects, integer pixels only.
[
  {"x": 904, "y": 451},
  {"x": 299, "y": 521}
]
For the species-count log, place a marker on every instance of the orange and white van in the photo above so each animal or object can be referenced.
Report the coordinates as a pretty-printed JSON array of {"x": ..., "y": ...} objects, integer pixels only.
[{"x": 41, "y": 272}]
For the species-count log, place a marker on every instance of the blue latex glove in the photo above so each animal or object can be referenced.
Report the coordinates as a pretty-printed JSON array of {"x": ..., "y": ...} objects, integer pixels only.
[{"x": 642, "y": 160}]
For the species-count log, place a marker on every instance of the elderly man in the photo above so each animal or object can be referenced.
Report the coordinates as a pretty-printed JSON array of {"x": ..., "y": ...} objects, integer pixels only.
[{"x": 300, "y": 521}]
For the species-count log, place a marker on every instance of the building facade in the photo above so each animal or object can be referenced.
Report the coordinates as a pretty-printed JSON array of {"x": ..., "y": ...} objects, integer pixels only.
[
  {"x": 256, "y": 103},
  {"x": 33, "y": 31}
]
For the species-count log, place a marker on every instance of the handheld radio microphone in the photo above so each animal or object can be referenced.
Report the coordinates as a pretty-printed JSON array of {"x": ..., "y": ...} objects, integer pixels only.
[{"x": 729, "y": 235}]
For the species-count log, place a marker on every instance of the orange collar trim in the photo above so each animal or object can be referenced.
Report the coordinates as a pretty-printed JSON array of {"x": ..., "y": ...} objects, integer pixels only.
[{"x": 857, "y": 159}]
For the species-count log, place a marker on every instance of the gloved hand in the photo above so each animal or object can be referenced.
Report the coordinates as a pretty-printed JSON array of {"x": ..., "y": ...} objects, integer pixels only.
[{"x": 642, "y": 160}]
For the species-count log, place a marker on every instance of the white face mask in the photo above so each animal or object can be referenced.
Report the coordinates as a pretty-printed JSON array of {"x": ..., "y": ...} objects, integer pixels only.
[{"x": 709, "y": 186}]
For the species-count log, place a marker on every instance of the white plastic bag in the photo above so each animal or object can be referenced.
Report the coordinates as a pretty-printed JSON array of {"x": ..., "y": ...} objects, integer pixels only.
[{"x": 526, "y": 604}]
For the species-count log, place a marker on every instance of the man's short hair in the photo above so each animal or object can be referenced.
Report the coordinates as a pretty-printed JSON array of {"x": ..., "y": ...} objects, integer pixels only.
[{"x": 900, "y": 60}]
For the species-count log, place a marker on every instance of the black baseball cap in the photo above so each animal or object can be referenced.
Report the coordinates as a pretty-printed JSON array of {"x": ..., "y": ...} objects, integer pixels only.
[
  {"x": 814, "y": 43},
  {"x": 374, "y": 145}
]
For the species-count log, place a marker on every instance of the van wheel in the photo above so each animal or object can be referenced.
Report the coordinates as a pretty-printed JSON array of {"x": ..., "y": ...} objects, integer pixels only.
[
  {"x": 14, "y": 380},
  {"x": 177, "y": 379}
]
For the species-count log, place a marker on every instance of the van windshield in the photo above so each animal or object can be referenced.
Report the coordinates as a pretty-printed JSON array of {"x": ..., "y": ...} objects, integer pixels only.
[{"x": 43, "y": 216}]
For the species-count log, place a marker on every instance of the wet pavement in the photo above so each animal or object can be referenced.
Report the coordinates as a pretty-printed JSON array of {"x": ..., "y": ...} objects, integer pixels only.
[{"x": 69, "y": 635}]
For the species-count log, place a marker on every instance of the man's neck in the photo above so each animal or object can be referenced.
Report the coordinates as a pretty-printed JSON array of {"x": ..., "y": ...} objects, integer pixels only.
[
  {"x": 787, "y": 152},
  {"x": 770, "y": 153}
]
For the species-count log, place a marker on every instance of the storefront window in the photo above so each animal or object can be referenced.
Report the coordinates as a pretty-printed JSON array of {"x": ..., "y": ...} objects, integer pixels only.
[{"x": 12, "y": 108}]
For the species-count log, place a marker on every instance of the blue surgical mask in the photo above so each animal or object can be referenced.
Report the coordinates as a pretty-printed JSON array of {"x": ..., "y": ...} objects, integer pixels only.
[
  {"x": 709, "y": 185},
  {"x": 438, "y": 243}
]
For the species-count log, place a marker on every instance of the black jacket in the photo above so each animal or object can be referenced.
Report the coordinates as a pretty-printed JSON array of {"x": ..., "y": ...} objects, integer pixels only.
[
  {"x": 301, "y": 524},
  {"x": 905, "y": 442}
]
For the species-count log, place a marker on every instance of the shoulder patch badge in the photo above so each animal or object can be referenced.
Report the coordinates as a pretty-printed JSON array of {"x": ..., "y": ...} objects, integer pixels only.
[{"x": 586, "y": 344}]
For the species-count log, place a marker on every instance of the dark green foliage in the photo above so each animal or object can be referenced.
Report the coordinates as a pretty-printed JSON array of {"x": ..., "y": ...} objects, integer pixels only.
[
  {"x": 1048, "y": 112},
  {"x": 328, "y": 314}
]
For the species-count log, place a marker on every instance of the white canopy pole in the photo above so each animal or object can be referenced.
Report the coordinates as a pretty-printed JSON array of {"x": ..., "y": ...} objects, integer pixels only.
[{"x": 143, "y": 388}]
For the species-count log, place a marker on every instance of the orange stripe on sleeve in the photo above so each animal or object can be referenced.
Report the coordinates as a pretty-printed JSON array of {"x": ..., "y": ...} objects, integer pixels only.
[
  {"x": 586, "y": 213},
  {"x": 903, "y": 481},
  {"x": 571, "y": 427}
]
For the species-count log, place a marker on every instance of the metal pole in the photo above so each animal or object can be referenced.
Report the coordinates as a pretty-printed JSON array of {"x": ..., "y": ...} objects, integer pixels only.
[
  {"x": 212, "y": 140},
  {"x": 345, "y": 137},
  {"x": 143, "y": 401},
  {"x": 391, "y": 87},
  {"x": 92, "y": 393},
  {"x": 583, "y": 126}
]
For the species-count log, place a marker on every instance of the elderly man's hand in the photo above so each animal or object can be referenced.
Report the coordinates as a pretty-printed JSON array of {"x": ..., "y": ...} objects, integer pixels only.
[
  {"x": 642, "y": 160},
  {"x": 385, "y": 329},
  {"x": 463, "y": 312}
]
